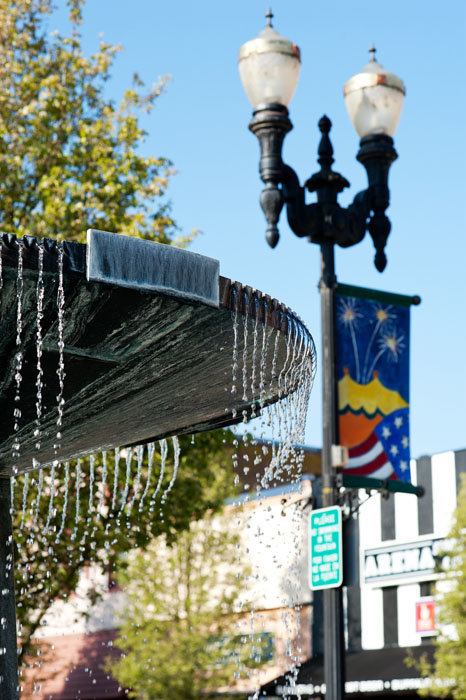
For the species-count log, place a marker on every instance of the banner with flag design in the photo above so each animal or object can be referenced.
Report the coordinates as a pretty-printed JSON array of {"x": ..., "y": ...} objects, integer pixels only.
[{"x": 372, "y": 330}]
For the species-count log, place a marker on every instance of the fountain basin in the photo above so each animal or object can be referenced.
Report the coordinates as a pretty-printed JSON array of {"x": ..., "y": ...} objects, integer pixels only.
[{"x": 148, "y": 345}]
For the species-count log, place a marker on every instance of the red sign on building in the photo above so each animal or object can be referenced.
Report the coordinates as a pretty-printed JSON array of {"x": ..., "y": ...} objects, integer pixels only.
[{"x": 425, "y": 616}]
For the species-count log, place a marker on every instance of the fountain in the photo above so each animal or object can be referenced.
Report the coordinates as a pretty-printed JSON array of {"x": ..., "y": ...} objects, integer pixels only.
[{"x": 122, "y": 342}]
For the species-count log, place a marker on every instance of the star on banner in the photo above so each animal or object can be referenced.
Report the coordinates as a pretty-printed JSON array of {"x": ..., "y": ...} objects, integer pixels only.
[{"x": 385, "y": 453}]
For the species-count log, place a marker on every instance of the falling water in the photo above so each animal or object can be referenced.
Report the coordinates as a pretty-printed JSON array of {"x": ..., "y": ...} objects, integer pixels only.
[
  {"x": 40, "y": 485},
  {"x": 51, "y": 512},
  {"x": 266, "y": 333},
  {"x": 137, "y": 480},
  {"x": 150, "y": 461},
  {"x": 104, "y": 483},
  {"x": 40, "y": 290},
  {"x": 115, "y": 478},
  {"x": 91, "y": 484},
  {"x": 283, "y": 417},
  {"x": 274, "y": 360},
  {"x": 19, "y": 353},
  {"x": 279, "y": 417},
  {"x": 285, "y": 420},
  {"x": 25, "y": 496},
  {"x": 65, "y": 502},
  {"x": 271, "y": 423},
  {"x": 61, "y": 348},
  {"x": 163, "y": 461},
  {"x": 245, "y": 368},
  {"x": 254, "y": 356},
  {"x": 124, "y": 496},
  {"x": 275, "y": 355},
  {"x": 245, "y": 349},
  {"x": 78, "y": 489},
  {"x": 234, "y": 363},
  {"x": 284, "y": 367},
  {"x": 86, "y": 479},
  {"x": 291, "y": 378},
  {"x": 176, "y": 464}
]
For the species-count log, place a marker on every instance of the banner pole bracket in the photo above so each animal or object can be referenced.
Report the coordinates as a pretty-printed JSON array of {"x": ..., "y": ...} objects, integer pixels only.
[{"x": 384, "y": 485}]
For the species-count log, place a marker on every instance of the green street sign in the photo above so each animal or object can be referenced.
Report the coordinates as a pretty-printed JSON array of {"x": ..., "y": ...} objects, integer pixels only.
[{"x": 326, "y": 553}]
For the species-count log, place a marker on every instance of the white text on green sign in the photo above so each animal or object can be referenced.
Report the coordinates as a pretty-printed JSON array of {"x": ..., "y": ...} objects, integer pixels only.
[{"x": 326, "y": 548}]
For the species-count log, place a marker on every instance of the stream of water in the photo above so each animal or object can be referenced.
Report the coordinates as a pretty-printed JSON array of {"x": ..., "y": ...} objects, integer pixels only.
[
  {"x": 80, "y": 508},
  {"x": 271, "y": 447}
]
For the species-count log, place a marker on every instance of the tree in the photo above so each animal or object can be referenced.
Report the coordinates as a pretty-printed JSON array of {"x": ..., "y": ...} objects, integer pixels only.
[
  {"x": 450, "y": 654},
  {"x": 177, "y": 629},
  {"x": 101, "y": 510},
  {"x": 69, "y": 157},
  {"x": 448, "y": 671}
]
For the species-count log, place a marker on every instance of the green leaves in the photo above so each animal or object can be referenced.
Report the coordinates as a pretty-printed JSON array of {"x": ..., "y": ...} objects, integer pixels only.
[
  {"x": 178, "y": 635},
  {"x": 69, "y": 158},
  {"x": 448, "y": 672},
  {"x": 55, "y": 540}
]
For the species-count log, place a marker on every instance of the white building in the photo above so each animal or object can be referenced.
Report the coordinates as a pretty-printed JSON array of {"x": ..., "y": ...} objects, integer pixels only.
[
  {"x": 390, "y": 610},
  {"x": 400, "y": 539}
]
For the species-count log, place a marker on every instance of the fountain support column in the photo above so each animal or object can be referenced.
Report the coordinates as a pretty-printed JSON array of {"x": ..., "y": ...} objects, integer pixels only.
[{"x": 9, "y": 687}]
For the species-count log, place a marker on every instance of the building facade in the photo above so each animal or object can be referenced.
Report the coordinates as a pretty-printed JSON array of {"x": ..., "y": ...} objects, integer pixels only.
[
  {"x": 388, "y": 604},
  {"x": 400, "y": 539},
  {"x": 389, "y": 610}
]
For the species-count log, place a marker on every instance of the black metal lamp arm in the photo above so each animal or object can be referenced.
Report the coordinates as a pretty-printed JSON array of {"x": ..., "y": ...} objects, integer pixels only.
[
  {"x": 271, "y": 124},
  {"x": 325, "y": 220},
  {"x": 377, "y": 153},
  {"x": 298, "y": 213}
]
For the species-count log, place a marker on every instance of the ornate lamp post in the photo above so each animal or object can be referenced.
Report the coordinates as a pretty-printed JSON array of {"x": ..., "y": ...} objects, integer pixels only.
[{"x": 269, "y": 68}]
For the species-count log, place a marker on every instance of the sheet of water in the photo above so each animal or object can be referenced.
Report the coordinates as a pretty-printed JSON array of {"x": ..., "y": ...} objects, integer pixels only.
[
  {"x": 98, "y": 488},
  {"x": 277, "y": 458}
]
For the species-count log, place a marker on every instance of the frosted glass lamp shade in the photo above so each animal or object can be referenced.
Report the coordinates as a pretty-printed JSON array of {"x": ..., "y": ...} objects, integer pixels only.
[
  {"x": 269, "y": 68},
  {"x": 374, "y": 100}
]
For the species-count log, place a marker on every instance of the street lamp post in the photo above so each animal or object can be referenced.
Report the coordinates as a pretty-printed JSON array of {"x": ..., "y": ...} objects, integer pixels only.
[{"x": 269, "y": 68}]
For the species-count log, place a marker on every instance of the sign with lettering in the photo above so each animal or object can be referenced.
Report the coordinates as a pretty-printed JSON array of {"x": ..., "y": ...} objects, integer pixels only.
[
  {"x": 425, "y": 617},
  {"x": 382, "y": 565},
  {"x": 326, "y": 558}
]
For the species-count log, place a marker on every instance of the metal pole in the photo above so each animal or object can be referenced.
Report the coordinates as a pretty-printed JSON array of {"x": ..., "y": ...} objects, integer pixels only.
[
  {"x": 334, "y": 659},
  {"x": 9, "y": 688}
]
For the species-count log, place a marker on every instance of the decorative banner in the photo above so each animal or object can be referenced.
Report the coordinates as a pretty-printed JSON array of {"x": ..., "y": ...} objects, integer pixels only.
[{"x": 372, "y": 331}]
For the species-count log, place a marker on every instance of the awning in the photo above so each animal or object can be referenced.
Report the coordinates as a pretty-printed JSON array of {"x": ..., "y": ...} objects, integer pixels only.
[
  {"x": 74, "y": 668},
  {"x": 369, "y": 673}
]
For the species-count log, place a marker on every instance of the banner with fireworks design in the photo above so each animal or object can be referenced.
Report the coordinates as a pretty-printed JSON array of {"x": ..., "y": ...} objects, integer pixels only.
[{"x": 372, "y": 331}]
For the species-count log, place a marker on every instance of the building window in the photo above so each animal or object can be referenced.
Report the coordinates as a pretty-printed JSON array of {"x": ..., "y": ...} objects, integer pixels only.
[
  {"x": 387, "y": 512},
  {"x": 390, "y": 616}
]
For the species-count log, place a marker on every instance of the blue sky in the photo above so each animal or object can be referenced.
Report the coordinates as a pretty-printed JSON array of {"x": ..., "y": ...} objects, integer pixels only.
[{"x": 201, "y": 125}]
